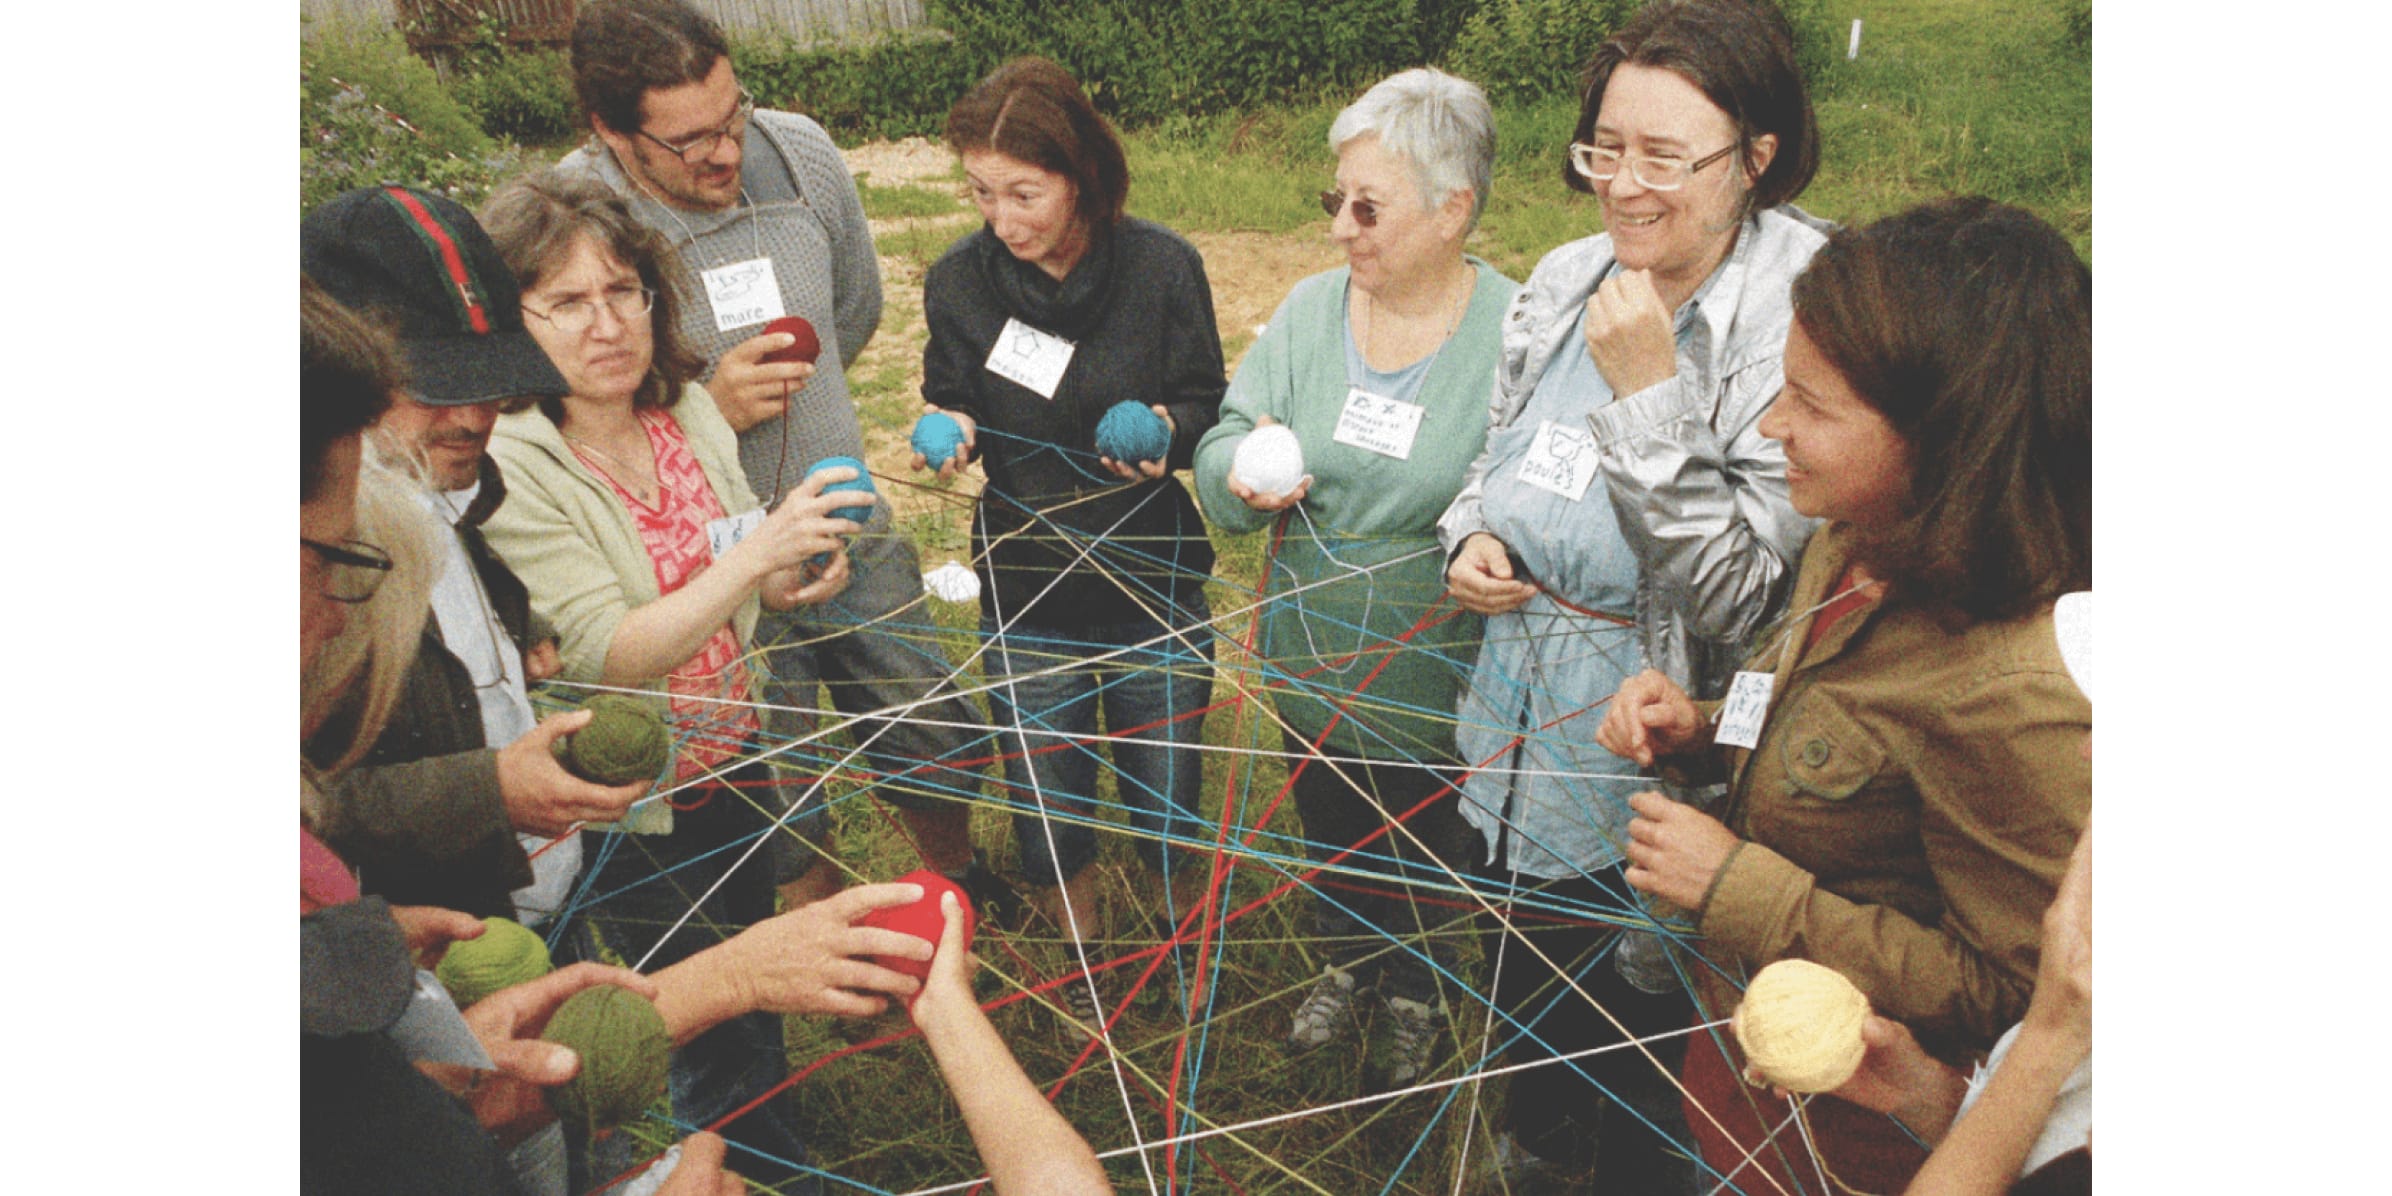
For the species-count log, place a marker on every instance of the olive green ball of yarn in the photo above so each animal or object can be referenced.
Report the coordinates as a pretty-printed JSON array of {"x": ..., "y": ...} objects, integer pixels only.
[
  {"x": 624, "y": 1049},
  {"x": 625, "y": 741},
  {"x": 508, "y": 953}
]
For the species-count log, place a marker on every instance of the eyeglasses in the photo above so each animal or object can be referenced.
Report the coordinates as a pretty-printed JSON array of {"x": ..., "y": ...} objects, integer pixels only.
[
  {"x": 574, "y": 316},
  {"x": 1366, "y": 213},
  {"x": 1601, "y": 163},
  {"x": 353, "y": 570},
  {"x": 698, "y": 148}
]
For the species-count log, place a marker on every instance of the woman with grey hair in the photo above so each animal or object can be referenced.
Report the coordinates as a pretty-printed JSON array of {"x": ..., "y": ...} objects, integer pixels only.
[{"x": 1379, "y": 369}]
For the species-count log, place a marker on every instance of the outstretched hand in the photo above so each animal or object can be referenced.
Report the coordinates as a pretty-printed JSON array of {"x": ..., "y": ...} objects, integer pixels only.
[
  {"x": 816, "y": 960},
  {"x": 1650, "y": 716}
]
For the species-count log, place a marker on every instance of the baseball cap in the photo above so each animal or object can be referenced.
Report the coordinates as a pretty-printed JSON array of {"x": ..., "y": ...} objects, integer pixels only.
[{"x": 420, "y": 261}]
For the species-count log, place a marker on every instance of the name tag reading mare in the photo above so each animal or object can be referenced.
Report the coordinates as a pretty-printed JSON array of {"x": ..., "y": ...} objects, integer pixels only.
[
  {"x": 743, "y": 293},
  {"x": 1560, "y": 460},
  {"x": 1383, "y": 425},
  {"x": 724, "y": 534},
  {"x": 1030, "y": 357}
]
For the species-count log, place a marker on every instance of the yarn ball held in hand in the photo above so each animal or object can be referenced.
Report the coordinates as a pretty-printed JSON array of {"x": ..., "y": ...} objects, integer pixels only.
[
  {"x": 861, "y": 483},
  {"x": 1799, "y": 1025},
  {"x": 1269, "y": 460},
  {"x": 937, "y": 437},
  {"x": 625, "y": 741},
  {"x": 807, "y": 348},
  {"x": 921, "y": 919},
  {"x": 1131, "y": 433},
  {"x": 508, "y": 953},
  {"x": 624, "y": 1049}
]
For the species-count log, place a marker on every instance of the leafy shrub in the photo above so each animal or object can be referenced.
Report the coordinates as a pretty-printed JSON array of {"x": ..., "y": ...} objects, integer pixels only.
[
  {"x": 896, "y": 86},
  {"x": 523, "y": 94},
  {"x": 1522, "y": 50},
  {"x": 370, "y": 112},
  {"x": 376, "y": 61}
]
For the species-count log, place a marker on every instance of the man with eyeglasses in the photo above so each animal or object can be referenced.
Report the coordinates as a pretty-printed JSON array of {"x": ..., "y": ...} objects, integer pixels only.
[
  {"x": 455, "y": 802},
  {"x": 768, "y": 223}
]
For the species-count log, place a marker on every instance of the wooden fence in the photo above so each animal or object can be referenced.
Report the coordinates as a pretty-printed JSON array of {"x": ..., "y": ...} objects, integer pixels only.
[{"x": 443, "y": 23}]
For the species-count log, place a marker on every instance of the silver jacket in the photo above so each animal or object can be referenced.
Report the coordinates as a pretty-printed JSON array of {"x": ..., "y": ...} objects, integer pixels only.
[{"x": 1701, "y": 503}]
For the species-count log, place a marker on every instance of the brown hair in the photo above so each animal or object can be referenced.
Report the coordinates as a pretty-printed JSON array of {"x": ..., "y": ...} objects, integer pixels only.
[
  {"x": 1031, "y": 110},
  {"x": 623, "y": 49},
  {"x": 1968, "y": 325},
  {"x": 1740, "y": 55},
  {"x": 348, "y": 368},
  {"x": 535, "y": 221}
]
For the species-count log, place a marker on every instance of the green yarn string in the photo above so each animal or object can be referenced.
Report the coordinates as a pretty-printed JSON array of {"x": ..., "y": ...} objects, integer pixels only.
[
  {"x": 624, "y": 1049},
  {"x": 625, "y": 741},
  {"x": 508, "y": 953}
]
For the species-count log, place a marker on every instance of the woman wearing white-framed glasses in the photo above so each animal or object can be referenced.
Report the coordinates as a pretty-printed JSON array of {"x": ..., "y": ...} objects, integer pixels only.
[{"x": 1627, "y": 513}]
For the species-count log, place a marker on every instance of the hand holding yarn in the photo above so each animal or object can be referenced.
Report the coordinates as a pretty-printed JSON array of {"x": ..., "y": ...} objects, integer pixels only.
[
  {"x": 948, "y": 986},
  {"x": 513, "y": 1103},
  {"x": 1134, "y": 441},
  {"x": 541, "y": 797},
  {"x": 920, "y": 918},
  {"x": 1649, "y": 717},
  {"x": 1800, "y": 1026},
  {"x": 1267, "y": 470},
  {"x": 1674, "y": 850},
  {"x": 624, "y": 1048},
  {"x": 750, "y": 388},
  {"x": 808, "y": 526},
  {"x": 821, "y": 957},
  {"x": 967, "y": 443},
  {"x": 1481, "y": 579},
  {"x": 431, "y": 932},
  {"x": 698, "y": 1169},
  {"x": 505, "y": 954}
]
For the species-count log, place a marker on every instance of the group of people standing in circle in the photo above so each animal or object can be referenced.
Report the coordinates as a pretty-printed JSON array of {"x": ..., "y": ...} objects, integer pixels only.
[{"x": 1697, "y": 590}]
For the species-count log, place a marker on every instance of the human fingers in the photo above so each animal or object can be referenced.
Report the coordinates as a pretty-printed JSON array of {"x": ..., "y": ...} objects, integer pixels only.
[
  {"x": 861, "y": 976},
  {"x": 1653, "y": 806},
  {"x": 534, "y": 1061},
  {"x": 849, "y": 904},
  {"x": 429, "y": 930},
  {"x": 1150, "y": 470},
  {"x": 699, "y": 1170}
]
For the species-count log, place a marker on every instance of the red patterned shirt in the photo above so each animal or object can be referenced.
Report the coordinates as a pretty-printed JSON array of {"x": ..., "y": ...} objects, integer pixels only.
[{"x": 709, "y": 691}]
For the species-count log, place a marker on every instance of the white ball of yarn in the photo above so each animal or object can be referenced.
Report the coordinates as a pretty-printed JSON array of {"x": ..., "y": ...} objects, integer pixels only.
[
  {"x": 953, "y": 582},
  {"x": 1269, "y": 460},
  {"x": 1799, "y": 1025}
]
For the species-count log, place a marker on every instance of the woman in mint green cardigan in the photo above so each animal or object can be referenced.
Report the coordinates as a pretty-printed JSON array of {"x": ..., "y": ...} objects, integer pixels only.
[{"x": 1381, "y": 369}]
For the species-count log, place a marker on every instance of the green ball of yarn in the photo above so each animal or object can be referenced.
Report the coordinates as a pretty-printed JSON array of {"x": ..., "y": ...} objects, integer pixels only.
[
  {"x": 624, "y": 1050},
  {"x": 508, "y": 953},
  {"x": 626, "y": 740}
]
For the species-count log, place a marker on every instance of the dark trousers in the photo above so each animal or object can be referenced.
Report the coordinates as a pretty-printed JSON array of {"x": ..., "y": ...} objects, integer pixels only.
[
  {"x": 1359, "y": 915},
  {"x": 1589, "y": 1109}
]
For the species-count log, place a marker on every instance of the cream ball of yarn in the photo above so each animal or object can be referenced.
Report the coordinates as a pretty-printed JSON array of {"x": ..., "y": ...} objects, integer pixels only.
[
  {"x": 1799, "y": 1025},
  {"x": 1269, "y": 460}
]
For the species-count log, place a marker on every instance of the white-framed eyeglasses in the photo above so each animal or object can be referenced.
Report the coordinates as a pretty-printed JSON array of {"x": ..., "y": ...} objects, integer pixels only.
[
  {"x": 574, "y": 316},
  {"x": 1601, "y": 163}
]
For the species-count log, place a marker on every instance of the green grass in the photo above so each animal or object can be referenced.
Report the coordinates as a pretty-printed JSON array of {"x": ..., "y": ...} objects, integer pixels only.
[{"x": 905, "y": 201}]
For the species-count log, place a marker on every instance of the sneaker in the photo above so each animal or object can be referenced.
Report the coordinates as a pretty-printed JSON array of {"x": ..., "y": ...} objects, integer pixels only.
[
  {"x": 1082, "y": 1014},
  {"x": 1400, "y": 1044},
  {"x": 1327, "y": 1011},
  {"x": 993, "y": 897}
]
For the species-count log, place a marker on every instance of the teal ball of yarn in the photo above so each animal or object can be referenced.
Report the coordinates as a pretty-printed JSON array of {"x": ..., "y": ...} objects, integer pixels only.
[
  {"x": 624, "y": 1049},
  {"x": 508, "y": 953},
  {"x": 1131, "y": 433},
  {"x": 625, "y": 740},
  {"x": 862, "y": 484},
  {"x": 937, "y": 437}
]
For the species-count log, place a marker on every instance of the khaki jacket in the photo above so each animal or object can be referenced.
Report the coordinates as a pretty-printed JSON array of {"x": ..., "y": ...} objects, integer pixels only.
[{"x": 1907, "y": 812}]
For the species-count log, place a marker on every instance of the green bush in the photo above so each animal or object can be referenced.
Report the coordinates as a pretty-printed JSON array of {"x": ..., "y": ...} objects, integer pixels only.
[
  {"x": 376, "y": 61},
  {"x": 371, "y": 112},
  {"x": 897, "y": 86},
  {"x": 1522, "y": 50},
  {"x": 523, "y": 94}
]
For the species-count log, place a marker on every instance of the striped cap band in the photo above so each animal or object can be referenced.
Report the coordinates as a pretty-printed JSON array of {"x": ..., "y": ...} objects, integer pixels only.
[{"x": 469, "y": 297}]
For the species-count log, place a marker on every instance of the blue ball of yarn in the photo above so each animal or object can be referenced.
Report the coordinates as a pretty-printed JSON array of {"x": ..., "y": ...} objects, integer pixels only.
[
  {"x": 862, "y": 484},
  {"x": 1131, "y": 433},
  {"x": 937, "y": 437}
]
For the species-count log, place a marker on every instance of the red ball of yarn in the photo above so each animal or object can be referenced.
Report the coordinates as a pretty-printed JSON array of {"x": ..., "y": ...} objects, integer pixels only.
[
  {"x": 922, "y": 920},
  {"x": 807, "y": 348}
]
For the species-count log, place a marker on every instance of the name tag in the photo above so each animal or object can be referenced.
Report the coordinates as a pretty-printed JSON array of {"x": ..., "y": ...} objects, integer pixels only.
[
  {"x": 724, "y": 534},
  {"x": 1384, "y": 426},
  {"x": 743, "y": 293},
  {"x": 1030, "y": 357},
  {"x": 1560, "y": 460},
  {"x": 1740, "y": 717}
]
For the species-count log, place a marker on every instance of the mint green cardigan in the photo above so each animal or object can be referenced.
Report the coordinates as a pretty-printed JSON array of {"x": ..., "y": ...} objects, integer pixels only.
[
  {"x": 1365, "y": 509},
  {"x": 568, "y": 537}
]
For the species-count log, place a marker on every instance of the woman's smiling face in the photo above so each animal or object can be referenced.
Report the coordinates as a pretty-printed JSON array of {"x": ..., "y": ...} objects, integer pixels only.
[{"x": 1681, "y": 235}]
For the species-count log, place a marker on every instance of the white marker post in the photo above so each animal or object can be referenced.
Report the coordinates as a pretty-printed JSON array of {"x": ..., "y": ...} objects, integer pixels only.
[{"x": 1852, "y": 51}]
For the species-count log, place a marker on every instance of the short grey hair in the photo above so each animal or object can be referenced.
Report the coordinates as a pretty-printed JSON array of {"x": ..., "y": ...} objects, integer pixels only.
[{"x": 1440, "y": 124}]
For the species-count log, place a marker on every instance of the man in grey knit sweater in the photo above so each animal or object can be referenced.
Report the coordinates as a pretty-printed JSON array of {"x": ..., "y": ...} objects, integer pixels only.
[{"x": 768, "y": 223}]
